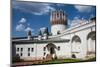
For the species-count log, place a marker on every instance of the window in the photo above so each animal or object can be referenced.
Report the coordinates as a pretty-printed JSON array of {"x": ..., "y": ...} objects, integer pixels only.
[
  {"x": 28, "y": 54},
  {"x": 21, "y": 49},
  {"x": 44, "y": 48},
  {"x": 44, "y": 53},
  {"x": 58, "y": 47},
  {"x": 21, "y": 54},
  {"x": 17, "y": 49},
  {"x": 32, "y": 49},
  {"x": 28, "y": 49}
]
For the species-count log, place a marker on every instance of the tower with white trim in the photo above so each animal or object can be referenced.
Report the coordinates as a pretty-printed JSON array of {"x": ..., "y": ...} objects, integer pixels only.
[{"x": 58, "y": 21}]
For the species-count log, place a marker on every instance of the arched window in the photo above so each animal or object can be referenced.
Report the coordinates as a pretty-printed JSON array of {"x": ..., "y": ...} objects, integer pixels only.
[
  {"x": 76, "y": 39},
  {"x": 92, "y": 35},
  {"x": 76, "y": 44},
  {"x": 51, "y": 48}
]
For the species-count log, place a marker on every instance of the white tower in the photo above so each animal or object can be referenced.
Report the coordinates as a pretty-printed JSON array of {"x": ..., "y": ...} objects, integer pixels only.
[{"x": 59, "y": 22}]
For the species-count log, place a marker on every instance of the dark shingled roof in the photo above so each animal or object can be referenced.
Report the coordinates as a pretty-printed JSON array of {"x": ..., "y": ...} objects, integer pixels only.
[{"x": 38, "y": 41}]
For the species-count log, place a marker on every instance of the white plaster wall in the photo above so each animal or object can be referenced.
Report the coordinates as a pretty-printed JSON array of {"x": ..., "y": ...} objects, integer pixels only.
[
  {"x": 84, "y": 43},
  {"x": 83, "y": 46},
  {"x": 65, "y": 50},
  {"x": 91, "y": 45},
  {"x": 57, "y": 27},
  {"x": 67, "y": 36},
  {"x": 25, "y": 51},
  {"x": 37, "y": 54},
  {"x": 40, "y": 51},
  {"x": 76, "y": 47},
  {"x": 93, "y": 28}
]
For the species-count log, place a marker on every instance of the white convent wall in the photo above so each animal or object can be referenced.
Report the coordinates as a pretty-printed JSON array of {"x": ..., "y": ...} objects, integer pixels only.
[
  {"x": 25, "y": 51},
  {"x": 38, "y": 52},
  {"x": 82, "y": 32},
  {"x": 83, "y": 45},
  {"x": 65, "y": 50},
  {"x": 56, "y": 28}
]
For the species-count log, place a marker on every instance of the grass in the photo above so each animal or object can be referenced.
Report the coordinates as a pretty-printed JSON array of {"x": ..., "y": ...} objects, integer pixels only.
[
  {"x": 62, "y": 61},
  {"x": 58, "y": 61}
]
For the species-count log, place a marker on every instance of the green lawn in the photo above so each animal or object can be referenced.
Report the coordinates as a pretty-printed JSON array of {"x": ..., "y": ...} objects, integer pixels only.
[{"x": 58, "y": 61}]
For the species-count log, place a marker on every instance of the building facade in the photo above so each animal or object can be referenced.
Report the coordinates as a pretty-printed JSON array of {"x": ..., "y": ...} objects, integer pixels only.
[{"x": 78, "y": 41}]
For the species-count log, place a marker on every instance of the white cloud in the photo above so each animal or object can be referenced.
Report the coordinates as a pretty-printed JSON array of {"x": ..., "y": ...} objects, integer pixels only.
[
  {"x": 28, "y": 29},
  {"x": 34, "y": 8},
  {"x": 77, "y": 20},
  {"x": 20, "y": 27},
  {"x": 43, "y": 29},
  {"x": 83, "y": 8},
  {"x": 22, "y": 20}
]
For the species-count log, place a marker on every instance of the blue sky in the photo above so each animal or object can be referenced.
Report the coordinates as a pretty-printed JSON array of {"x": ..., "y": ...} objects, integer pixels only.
[{"x": 34, "y": 15}]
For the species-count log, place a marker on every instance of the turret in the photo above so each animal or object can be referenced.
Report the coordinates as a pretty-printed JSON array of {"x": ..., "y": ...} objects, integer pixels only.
[
  {"x": 29, "y": 35},
  {"x": 40, "y": 35},
  {"x": 58, "y": 21},
  {"x": 45, "y": 32}
]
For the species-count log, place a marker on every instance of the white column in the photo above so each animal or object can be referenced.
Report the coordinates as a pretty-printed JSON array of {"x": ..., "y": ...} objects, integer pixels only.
[
  {"x": 89, "y": 45},
  {"x": 93, "y": 45}
]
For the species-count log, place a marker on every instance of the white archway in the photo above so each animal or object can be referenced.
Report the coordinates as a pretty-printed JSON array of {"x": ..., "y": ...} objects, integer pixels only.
[
  {"x": 51, "y": 51},
  {"x": 76, "y": 45},
  {"x": 91, "y": 37}
]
